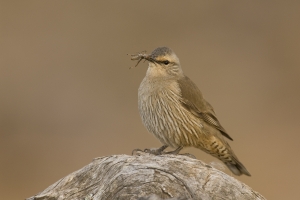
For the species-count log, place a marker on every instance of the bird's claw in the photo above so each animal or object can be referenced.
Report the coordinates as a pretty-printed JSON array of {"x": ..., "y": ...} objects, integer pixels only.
[
  {"x": 175, "y": 152},
  {"x": 160, "y": 151},
  {"x": 154, "y": 151}
]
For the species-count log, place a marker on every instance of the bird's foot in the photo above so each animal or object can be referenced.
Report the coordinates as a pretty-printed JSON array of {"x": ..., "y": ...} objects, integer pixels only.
[
  {"x": 154, "y": 151},
  {"x": 175, "y": 152},
  {"x": 160, "y": 151}
]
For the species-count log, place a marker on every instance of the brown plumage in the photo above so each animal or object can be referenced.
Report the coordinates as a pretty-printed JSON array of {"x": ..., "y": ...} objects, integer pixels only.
[{"x": 173, "y": 109}]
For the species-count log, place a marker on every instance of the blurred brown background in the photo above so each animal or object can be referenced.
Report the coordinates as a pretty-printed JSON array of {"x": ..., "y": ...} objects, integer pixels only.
[{"x": 67, "y": 95}]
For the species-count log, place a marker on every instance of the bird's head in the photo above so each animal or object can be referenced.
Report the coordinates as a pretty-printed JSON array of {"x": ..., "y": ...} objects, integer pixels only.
[{"x": 164, "y": 63}]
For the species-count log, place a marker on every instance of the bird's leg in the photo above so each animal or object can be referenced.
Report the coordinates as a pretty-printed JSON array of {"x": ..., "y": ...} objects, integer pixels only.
[
  {"x": 154, "y": 151},
  {"x": 158, "y": 151}
]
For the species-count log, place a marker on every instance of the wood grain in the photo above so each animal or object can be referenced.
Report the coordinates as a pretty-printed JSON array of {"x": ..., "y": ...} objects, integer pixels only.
[{"x": 146, "y": 176}]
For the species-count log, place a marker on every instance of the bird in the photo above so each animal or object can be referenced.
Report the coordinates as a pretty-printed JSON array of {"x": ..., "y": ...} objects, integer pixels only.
[{"x": 173, "y": 109}]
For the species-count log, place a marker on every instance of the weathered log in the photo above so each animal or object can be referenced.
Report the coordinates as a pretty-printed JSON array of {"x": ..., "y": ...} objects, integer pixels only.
[{"x": 146, "y": 176}]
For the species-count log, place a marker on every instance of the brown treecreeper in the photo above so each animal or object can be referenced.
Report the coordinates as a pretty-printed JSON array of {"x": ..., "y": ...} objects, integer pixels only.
[{"x": 173, "y": 109}]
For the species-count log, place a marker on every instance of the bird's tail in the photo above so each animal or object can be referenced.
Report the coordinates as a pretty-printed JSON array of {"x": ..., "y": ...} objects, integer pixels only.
[{"x": 237, "y": 167}]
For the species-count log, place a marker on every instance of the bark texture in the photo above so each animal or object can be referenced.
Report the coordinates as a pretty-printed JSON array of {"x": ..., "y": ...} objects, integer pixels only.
[{"x": 147, "y": 177}]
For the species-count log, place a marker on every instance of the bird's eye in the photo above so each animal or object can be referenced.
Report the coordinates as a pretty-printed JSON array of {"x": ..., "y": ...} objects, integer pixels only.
[{"x": 166, "y": 62}]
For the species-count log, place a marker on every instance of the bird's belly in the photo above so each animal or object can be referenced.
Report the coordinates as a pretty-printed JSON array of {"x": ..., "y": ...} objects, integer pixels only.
[{"x": 165, "y": 117}]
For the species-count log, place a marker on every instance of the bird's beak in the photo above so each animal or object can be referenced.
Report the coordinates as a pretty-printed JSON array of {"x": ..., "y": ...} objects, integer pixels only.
[
  {"x": 149, "y": 58},
  {"x": 143, "y": 56}
]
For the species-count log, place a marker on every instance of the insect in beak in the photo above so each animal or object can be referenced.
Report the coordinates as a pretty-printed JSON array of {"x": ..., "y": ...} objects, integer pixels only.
[{"x": 141, "y": 56}]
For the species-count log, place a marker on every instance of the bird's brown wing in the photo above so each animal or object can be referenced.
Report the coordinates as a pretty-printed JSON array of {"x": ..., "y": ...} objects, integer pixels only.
[{"x": 193, "y": 101}]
